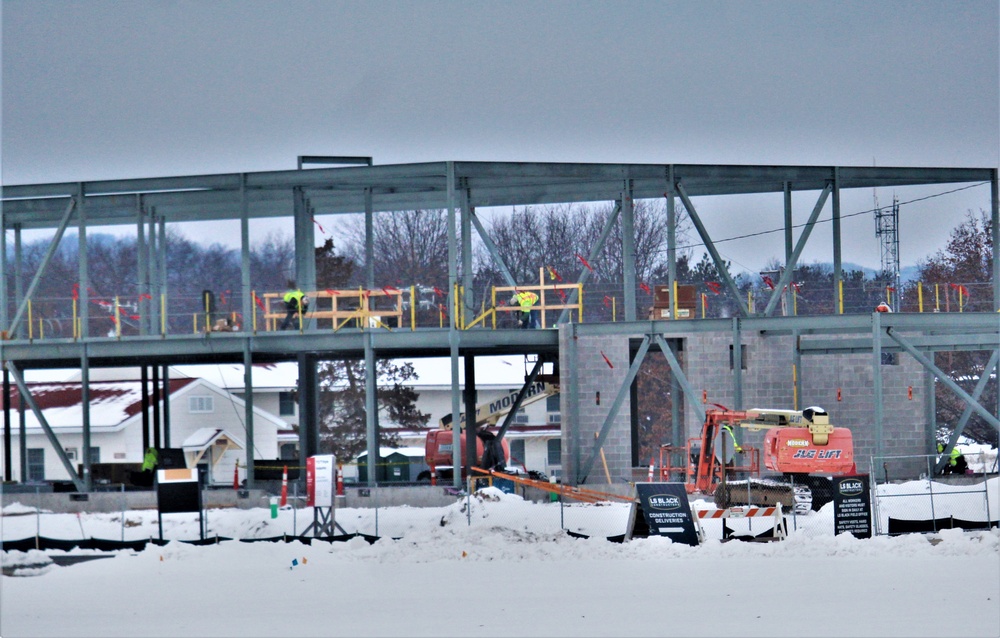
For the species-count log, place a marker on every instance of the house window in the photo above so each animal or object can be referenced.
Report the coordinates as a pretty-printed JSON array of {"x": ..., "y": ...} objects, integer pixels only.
[
  {"x": 71, "y": 453},
  {"x": 555, "y": 451},
  {"x": 521, "y": 417},
  {"x": 517, "y": 450},
  {"x": 201, "y": 404},
  {"x": 95, "y": 455},
  {"x": 552, "y": 408},
  {"x": 286, "y": 404},
  {"x": 36, "y": 464}
]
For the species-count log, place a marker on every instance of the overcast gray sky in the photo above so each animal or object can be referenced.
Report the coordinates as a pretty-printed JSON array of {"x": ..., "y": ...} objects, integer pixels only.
[{"x": 103, "y": 90}]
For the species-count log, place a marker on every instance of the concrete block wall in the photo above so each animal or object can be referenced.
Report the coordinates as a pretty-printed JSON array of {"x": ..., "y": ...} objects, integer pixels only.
[
  {"x": 594, "y": 375},
  {"x": 767, "y": 382}
]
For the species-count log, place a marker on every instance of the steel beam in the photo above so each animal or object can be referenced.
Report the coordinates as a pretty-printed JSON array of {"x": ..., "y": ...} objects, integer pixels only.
[
  {"x": 609, "y": 421},
  {"x": 945, "y": 379},
  {"x": 491, "y": 248},
  {"x": 786, "y": 276},
  {"x": 595, "y": 250},
  {"x": 678, "y": 373},
  {"x": 964, "y": 419},
  {"x": 516, "y": 405},
  {"x": 23, "y": 305},
  {"x": 720, "y": 265},
  {"x": 26, "y": 398}
]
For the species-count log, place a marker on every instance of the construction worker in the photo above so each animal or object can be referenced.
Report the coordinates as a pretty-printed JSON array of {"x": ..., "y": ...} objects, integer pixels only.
[
  {"x": 736, "y": 445},
  {"x": 296, "y": 305},
  {"x": 526, "y": 299},
  {"x": 956, "y": 461},
  {"x": 883, "y": 307},
  {"x": 150, "y": 460}
]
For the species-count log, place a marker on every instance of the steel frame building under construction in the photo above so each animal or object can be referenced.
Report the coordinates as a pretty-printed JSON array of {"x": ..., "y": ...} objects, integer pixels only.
[{"x": 459, "y": 188}]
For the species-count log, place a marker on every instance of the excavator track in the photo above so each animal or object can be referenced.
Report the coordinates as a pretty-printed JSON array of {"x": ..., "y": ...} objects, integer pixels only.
[{"x": 765, "y": 493}]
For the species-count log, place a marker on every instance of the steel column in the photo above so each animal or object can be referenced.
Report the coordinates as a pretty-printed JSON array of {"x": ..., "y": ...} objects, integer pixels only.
[
  {"x": 85, "y": 417},
  {"x": 248, "y": 409},
  {"x": 8, "y": 470},
  {"x": 247, "y": 305},
  {"x": 838, "y": 275},
  {"x": 995, "y": 220},
  {"x": 671, "y": 231},
  {"x": 469, "y": 398},
  {"x": 371, "y": 408},
  {"x": 83, "y": 263},
  {"x": 456, "y": 412},
  {"x": 143, "y": 304},
  {"x": 628, "y": 251},
  {"x": 369, "y": 243},
  {"x": 877, "y": 398},
  {"x": 788, "y": 290}
]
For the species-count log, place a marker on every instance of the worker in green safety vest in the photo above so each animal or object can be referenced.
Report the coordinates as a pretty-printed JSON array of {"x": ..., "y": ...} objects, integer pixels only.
[
  {"x": 526, "y": 300},
  {"x": 296, "y": 305},
  {"x": 150, "y": 460},
  {"x": 956, "y": 461}
]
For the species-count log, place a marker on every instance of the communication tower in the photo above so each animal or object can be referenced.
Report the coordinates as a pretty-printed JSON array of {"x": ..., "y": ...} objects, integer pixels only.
[{"x": 887, "y": 231}]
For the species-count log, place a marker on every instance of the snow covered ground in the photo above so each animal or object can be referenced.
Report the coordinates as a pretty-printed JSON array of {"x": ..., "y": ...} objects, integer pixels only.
[{"x": 504, "y": 568}]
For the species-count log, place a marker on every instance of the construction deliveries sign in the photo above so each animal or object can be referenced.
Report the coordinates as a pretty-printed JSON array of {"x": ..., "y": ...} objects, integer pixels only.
[{"x": 667, "y": 512}]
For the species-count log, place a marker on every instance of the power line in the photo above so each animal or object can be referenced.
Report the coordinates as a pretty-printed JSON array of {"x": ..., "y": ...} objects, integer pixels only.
[{"x": 830, "y": 219}]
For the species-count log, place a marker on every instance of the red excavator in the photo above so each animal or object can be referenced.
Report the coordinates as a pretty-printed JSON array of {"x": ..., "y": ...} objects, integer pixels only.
[{"x": 800, "y": 445}]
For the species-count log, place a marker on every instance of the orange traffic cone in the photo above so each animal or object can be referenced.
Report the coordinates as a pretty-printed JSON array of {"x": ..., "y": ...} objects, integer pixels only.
[
  {"x": 236, "y": 476},
  {"x": 284, "y": 487}
]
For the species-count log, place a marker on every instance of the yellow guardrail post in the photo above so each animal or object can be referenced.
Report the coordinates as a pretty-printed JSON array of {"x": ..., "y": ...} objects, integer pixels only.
[
  {"x": 75, "y": 333},
  {"x": 31, "y": 321},
  {"x": 920, "y": 297},
  {"x": 163, "y": 314},
  {"x": 937, "y": 298},
  {"x": 413, "y": 308},
  {"x": 208, "y": 318},
  {"x": 960, "y": 297},
  {"x": 704, "y": 304},
  {"x": 675, "y": 304},
  {"x": 614, "y": 309},
  {"x": 840, "y": 296},
  {"x": 253, "y": 309},
  {"x": 493, "y": 292},
  {"x": 118, "y": 319}
]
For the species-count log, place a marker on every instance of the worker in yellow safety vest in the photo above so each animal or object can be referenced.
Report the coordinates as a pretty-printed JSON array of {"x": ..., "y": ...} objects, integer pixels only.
[
  {"x": 526, "y": 299},
  {"x": 296, "y": 305},
  {"x": 956, "y": 461},
  {"x": 736, "y": 445}
]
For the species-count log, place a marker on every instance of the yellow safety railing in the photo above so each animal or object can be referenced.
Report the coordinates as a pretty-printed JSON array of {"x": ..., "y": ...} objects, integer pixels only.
[{"x": 339, "y": 307}]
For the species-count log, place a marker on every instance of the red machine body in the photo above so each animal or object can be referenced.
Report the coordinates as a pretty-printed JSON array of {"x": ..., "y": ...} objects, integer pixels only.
[{"x": 790, "y": 450}]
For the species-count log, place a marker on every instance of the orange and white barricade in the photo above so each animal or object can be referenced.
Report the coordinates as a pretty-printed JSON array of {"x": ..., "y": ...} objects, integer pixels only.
[{"x": 749, "y": 511}]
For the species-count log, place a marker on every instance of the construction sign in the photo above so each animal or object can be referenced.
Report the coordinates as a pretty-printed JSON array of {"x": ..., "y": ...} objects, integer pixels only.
[
  {"x": 852, "y": 506},
  {"x": 665, "y": 512}
]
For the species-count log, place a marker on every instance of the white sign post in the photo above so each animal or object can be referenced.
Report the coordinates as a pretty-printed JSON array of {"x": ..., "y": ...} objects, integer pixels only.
[{"x": 321, "y": 473}]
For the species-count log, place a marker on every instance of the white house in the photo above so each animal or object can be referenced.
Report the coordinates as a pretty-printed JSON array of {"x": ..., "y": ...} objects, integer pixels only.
[
  {"x": 534, "y": 437},
  {"x": 205, "y": 420},
  {"x": 207, "y": 406}
]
